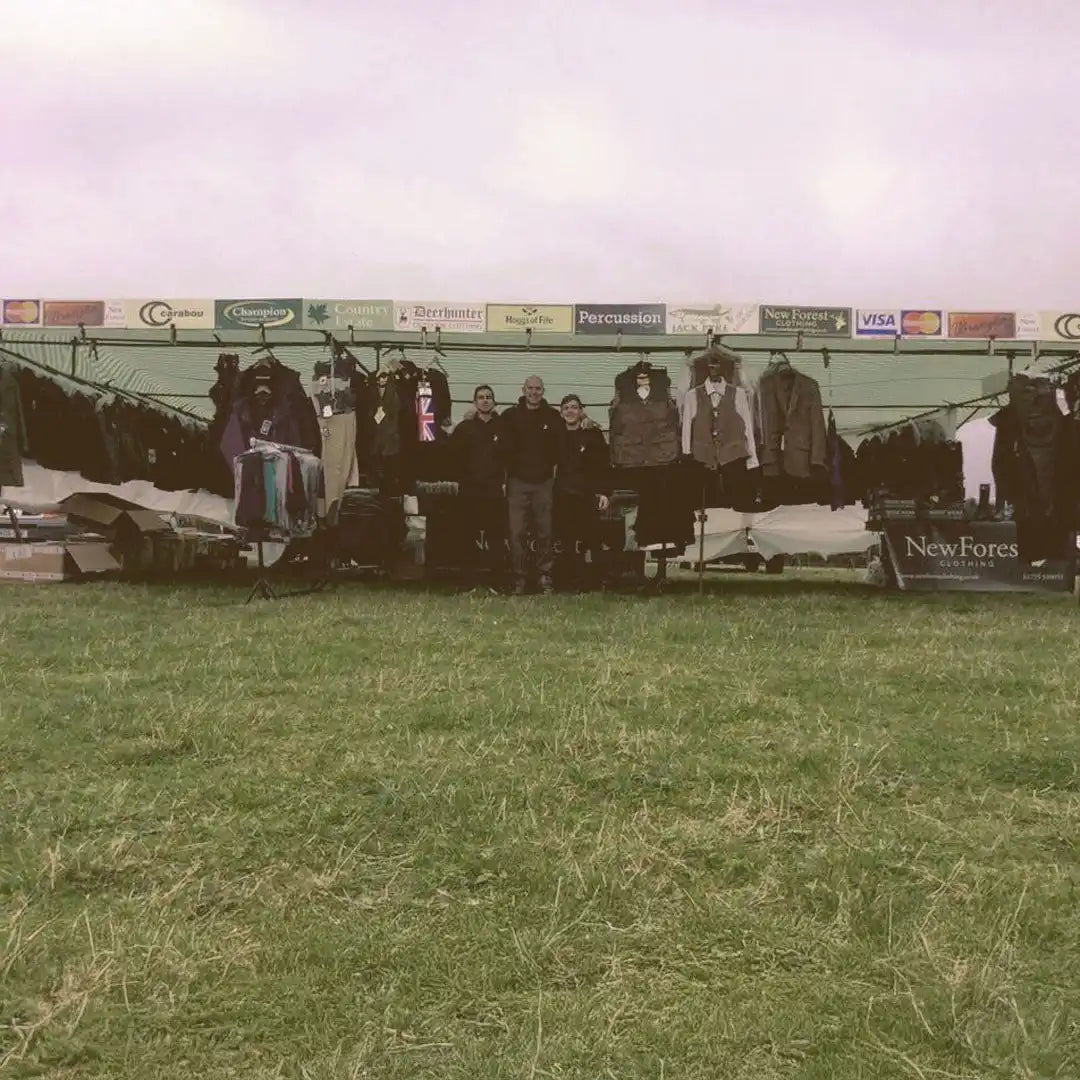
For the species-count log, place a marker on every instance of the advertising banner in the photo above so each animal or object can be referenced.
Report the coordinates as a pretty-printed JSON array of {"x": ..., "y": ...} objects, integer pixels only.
[
  {"x": 970, "y": 556},
  {"x": 341, "y": 314},
  {"x": 877, "y": 323},
  {"x": 1060, "y": 325},
  {"x": 1029, "y": 325},
  {"x": 88, "y": 313},
  {"x": 158, "y": 314},
  {"x": 455, "y": 318},
  {"x": 250, "y": 314},
  {"x": 688, "y": 318},
  {"x": 21, "y": 313},
  {"x": 620, "y": 318},
  {"x": 813, "y": 322},
  {"x": 920, "y": 322},
  {"x": 539, "y": 318},
  {"x": 982, "y": 324}
]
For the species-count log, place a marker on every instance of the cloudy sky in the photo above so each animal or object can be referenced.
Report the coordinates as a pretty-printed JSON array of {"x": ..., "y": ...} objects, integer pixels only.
[
  {"x": 829, "y": 152},
  {"x": 834, "y": 152}
]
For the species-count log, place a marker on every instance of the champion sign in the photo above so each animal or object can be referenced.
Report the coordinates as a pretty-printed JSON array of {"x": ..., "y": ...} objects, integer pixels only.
[
  {"x": 620, "y": 318},
  {"x": 251, "y": 314}
]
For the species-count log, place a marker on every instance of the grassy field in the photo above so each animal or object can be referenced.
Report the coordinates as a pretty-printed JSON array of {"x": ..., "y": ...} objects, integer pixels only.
[{"x": 794, "y": 828}]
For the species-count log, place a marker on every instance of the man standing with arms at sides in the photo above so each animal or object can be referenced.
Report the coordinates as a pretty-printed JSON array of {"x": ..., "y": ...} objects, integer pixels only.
[
  {"x": 531, "y": 431},
  {"x": 478, "y": 454}
]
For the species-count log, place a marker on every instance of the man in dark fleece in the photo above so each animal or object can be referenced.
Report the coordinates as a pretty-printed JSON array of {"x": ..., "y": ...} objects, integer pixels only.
[
  {"x": 531, "y": 431},
  {"x": 477, "y": 443},
  {"x": 582, "y": 490}
]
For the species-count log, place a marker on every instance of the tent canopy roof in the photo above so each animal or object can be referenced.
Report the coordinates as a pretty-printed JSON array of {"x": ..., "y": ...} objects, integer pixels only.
[{"x": 868, "y": 383}]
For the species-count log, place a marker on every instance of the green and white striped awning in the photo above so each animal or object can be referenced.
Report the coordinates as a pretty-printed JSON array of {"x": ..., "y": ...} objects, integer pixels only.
[{"x": 867, "y": 383}]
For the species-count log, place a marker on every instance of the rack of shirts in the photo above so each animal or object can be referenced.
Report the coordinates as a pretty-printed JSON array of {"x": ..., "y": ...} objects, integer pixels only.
[
  {"x": 277, "y": 490},
  {"x": 917, "y": 461}
]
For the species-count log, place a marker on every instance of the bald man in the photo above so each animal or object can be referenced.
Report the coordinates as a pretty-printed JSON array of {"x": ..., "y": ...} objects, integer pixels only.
[{"x": 531, "y": 432}]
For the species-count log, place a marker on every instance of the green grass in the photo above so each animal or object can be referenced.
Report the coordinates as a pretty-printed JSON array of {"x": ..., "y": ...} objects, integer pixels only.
[{"x": 790, "y": 829}]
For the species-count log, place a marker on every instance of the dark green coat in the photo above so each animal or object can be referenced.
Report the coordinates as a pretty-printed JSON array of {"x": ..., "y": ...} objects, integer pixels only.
[{"x": 13, "y": 435}]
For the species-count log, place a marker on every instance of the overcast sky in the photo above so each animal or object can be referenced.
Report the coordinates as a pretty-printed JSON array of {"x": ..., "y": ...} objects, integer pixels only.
[
  {"x": 834, "y": 152},
  {"x": 828, "y": 152}
]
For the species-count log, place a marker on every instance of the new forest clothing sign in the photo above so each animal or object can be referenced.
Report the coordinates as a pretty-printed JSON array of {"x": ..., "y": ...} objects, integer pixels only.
[
  {"x": 620, "y": 318},
  {"x": 251, "y": 314},
  {"x": 968, "y": 556},
  {"x": 813, "y": 322}
]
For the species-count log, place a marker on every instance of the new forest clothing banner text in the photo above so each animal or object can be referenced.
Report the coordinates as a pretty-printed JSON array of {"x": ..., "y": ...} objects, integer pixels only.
[
  {"x": 969, "y": 556},
  {"x": 620, "y": 318},
  {"x": 250, "y": 314},
  {"x": 813, "y": 322}
]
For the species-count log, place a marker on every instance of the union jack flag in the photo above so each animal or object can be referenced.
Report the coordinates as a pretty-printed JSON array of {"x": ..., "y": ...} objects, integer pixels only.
[{"x": 425, "y": 413}]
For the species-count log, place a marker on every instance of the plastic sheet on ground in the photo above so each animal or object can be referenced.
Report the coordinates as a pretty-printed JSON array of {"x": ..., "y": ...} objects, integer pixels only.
[
  {"x": 44, "y": 488},
  {"x": 787, "y": 530}
]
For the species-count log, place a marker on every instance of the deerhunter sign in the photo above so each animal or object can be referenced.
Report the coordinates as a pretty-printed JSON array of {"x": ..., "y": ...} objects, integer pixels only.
[{"x": 970, "y": 556}]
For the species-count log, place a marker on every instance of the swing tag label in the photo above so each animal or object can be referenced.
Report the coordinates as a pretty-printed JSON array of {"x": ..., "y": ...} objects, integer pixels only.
[
  {"x": 327, "y": 410},
  {"x": 264, "y": 427}
]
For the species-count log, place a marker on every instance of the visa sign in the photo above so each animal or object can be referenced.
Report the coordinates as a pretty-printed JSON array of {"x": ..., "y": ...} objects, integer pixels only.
[{"x": 877, "y": 323}]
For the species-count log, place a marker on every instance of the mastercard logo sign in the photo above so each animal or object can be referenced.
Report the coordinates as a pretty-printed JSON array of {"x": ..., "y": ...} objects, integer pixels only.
[
  {"x": 920, "y": 323},
  {"x": 22, "y": 312}
]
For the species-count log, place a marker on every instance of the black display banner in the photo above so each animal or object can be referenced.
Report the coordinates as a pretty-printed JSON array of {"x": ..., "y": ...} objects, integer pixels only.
[{"x": 970, "y": 556}]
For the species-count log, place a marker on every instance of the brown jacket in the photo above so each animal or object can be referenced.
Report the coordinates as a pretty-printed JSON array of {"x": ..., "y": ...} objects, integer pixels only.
[{"x": 792, "y": 424}]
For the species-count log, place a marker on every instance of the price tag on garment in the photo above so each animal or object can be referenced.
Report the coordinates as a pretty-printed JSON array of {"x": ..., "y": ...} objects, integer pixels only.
[
  {"x": 328, "y": 410},
  {"x": 264, "y": 427},
  {"x": 380, "y": 415}
]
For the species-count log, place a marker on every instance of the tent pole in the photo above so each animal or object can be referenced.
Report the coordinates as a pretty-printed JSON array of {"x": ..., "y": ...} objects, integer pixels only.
[{"x": 701, "y": 543}]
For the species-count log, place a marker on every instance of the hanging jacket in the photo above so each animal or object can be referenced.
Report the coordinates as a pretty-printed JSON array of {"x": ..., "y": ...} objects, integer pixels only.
[
  {"x": 285, "y": 416},
  {"x": 13, "y": 442},
  {"x": 643, "y": 432},
  {"x": 793, "y": 424}
]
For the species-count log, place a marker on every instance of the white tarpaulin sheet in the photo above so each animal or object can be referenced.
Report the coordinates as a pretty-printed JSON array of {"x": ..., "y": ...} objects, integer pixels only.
[
  {"x": 787, "y": 530},
  {"x": 44, "y": 488}
]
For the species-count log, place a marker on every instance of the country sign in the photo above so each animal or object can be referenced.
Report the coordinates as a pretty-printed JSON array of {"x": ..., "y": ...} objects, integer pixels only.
[
  {"x": 620, "y": 319},
  {"x": 458, "y": 318},
  {"x": 158, "y": 314},
  {"x": 982, "y": 324},
  {"x": 539, "y": 318},
  {"x": 251, "y": 314},
  {"x": 346, "y": 314},
  {"x": 690, "y": 318},
  {"x": 877, "y": 323},
  {"x": 811, "y": 321},
  {"x": 920, "y": 322},
  {"x": 22, "y": 313},
  {"x": 92, "y": 313}
]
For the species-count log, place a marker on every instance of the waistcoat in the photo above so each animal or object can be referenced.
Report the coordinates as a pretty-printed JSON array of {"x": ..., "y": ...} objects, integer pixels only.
[{"x": 717, "y": 436}]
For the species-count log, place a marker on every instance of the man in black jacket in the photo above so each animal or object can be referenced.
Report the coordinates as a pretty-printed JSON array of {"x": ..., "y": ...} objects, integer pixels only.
[
  {"x": 531, "y": 448},
  {"x": 477, "y": 444},
  {"x": 582, "y": 490}
]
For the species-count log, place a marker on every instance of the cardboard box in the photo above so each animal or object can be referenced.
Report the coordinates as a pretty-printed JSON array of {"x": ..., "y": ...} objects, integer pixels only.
[
  {"x": 71, "y": 561},
  {"x": 113, "y": 515}
]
